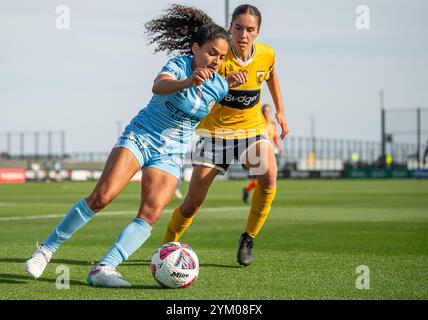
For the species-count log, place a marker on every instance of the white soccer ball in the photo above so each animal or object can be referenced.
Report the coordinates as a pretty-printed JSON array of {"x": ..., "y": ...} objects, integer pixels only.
[{"x": 175, "y": 265}]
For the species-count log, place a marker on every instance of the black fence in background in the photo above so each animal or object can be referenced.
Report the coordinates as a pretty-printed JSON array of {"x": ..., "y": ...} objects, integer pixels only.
[
  {"x": 32, "y": 144},
  {"x": 408, "y": 126},
  {"x": 301, "y": 153},
  {"x": 332, "y": 152}
]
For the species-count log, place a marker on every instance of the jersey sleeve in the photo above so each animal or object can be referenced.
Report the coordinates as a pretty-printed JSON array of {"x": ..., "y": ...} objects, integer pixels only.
[
  {"x": 271, "y": 63},
  {"x": 224, "y": 88},
  {"x": 175, "y": 68}
]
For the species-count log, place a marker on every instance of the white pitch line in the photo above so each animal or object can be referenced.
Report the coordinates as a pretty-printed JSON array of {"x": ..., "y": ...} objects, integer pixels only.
[{"x": 115, "y": 213}]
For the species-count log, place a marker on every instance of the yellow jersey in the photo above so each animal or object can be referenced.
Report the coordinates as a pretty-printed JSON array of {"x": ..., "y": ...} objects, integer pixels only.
[{"x": 238, "y": 115}]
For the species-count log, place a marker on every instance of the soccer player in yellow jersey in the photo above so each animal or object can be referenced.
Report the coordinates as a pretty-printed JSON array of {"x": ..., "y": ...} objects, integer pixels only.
[
  {"x": 236, "y": 129},
  {"x": 277, "y": 147}
]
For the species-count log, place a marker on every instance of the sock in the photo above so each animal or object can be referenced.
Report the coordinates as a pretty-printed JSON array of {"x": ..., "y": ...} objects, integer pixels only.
[
  {"x": 128, "y": 241},
  {"x": 176, "y": 226},
  {"x": 251, "y": 185},
  {"x": 75, "y": 219},
  {"x": 260, "y": 208}
]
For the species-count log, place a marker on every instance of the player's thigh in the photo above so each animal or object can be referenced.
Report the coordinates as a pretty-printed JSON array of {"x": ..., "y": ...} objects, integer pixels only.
[
  {"x": 120, "y": 167},
  {"x": 260, "y": 159},
  {"x": 157, "y": 190},
  {"x": 268, "y": 179},
  {"x": 202, "y": 178}
]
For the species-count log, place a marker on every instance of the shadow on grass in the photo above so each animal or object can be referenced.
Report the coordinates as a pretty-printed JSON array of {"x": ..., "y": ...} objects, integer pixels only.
[
  {"x": 127, "y": 263},
  {"x": 58, "y": 261},
  {"x": 11, "y": 281},
  {"x": 144, "y": 286},
  {"x": 130, "y": 263},
  {"x": 15, "y": 278},
  {"x": 221, "y": 265},
  {"x": 6, "y": 278}
]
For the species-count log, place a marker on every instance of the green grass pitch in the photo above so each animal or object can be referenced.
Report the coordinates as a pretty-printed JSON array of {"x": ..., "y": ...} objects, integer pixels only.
[{"x": 316, "y": 236}]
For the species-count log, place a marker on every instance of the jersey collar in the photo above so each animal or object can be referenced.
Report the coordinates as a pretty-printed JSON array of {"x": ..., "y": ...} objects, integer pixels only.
[{"x": 244, "y": 63}]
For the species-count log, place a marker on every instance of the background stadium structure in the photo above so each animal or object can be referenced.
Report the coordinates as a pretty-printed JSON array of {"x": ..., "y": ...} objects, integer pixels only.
[
  {"x": 404, "y": 140},
  {"x": 405, "y": 131},
  {"x": 402, "y": 146},
  {"x": 32, "y": 145}
]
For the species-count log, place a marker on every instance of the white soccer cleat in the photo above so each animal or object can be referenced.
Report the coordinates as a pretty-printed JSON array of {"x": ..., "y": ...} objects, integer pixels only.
[
  {"x": 106, "y": 276},
  {"x": 38, "y": 262}
]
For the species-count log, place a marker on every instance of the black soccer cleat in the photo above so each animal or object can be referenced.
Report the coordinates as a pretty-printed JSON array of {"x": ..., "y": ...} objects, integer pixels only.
[
  {"x": 245, "y": 251},
  {"x": 245, "y": 195}
]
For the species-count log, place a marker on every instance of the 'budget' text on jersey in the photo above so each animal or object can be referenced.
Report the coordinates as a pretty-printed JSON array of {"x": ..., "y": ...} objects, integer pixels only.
[{"x": 241, "y": 99}]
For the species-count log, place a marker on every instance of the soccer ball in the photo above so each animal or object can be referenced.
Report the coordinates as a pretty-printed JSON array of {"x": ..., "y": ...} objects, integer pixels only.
[{"x": 175, "y": 265}]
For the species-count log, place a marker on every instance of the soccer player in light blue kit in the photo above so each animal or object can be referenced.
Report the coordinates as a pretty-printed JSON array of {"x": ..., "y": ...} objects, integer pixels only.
[{"x": 155, "y": 140}]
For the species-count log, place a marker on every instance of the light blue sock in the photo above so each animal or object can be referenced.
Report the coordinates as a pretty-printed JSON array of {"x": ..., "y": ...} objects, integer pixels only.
[
  {"x": 129, "y": 240},
  {"x": 75, "y": 219}
]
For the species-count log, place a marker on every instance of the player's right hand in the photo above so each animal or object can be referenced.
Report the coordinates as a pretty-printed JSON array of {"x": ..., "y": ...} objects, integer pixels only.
[
  {"x": 199, "y": 76},
  {"x": 280, "y": 118}
]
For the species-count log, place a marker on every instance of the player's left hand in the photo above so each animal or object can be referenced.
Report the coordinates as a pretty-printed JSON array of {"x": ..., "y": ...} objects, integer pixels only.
[
  {"x": 280, "y": 118},
  {"x": 236, "y": 79}
]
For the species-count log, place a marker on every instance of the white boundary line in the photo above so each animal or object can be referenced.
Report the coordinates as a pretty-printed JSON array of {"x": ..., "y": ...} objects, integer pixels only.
[{"x": 117, "y": 213}]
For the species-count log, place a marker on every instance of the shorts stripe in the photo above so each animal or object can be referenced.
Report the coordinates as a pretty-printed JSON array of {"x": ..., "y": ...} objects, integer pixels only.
[
  {"x": 213, "y": 150},
  {"x": 235, "y": 148},
  {"x": 224, "y": 151}
]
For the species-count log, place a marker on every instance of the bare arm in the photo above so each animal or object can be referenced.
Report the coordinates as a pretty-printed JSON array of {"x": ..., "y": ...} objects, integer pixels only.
[
  {"x": 275, "y": 91},
  {"x": 165, "y": 84}
]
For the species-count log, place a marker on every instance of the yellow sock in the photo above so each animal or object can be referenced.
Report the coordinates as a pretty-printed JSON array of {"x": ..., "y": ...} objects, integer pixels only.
[
  {"x": 260, "y": 208},
  {"x": 176, "y": 226}
]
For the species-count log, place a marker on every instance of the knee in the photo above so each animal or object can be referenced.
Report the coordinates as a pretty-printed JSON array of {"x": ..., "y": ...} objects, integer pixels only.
[
  {"x": 268, "y": 181},
  {"x": 151, "y": 212},
  {"x": 98, "y": 201}
]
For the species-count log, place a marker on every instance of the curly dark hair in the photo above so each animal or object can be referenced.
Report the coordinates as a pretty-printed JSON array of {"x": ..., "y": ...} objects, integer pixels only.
[{"x": 180, "y": 27}]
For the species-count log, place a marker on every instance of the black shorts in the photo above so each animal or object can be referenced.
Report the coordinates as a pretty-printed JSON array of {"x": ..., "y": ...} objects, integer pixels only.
[{"x": 219, "y": 153}]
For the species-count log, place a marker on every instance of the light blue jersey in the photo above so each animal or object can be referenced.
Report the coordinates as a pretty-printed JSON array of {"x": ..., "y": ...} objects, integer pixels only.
[{"x": 158, "y": 136}]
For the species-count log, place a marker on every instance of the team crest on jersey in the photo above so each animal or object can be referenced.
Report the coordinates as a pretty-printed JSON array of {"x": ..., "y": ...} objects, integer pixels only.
[{"x": 260, "y": 76}]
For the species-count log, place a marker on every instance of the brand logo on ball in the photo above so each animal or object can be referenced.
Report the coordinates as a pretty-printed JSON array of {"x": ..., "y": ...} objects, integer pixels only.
[{"x": 179, "y": 275}]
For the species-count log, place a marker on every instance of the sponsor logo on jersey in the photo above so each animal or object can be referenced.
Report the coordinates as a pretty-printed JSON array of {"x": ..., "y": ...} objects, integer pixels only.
[
  {"x": 241, "y": 99},
  {"x": 180, "y": 115}
]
